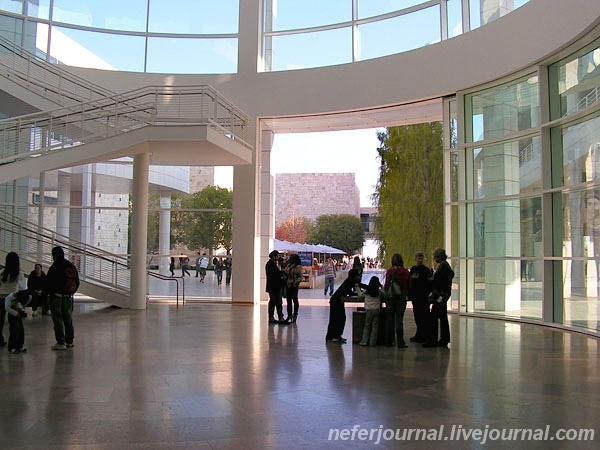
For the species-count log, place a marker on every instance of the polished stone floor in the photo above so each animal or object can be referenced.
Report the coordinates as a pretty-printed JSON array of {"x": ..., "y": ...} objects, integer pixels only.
[{"x": 217, "y": 376}]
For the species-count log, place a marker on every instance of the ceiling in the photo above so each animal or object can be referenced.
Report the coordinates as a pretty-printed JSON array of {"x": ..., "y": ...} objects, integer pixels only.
[{"x": 385, "y": 116}]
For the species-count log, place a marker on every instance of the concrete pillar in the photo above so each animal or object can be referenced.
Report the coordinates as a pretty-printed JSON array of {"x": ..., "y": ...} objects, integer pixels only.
[
  {"x": 41, "y": 207},
  {"x": 267, "y": 205},
  {"x": 164, "y": 232},
  {"x": 139, "y": 231}
]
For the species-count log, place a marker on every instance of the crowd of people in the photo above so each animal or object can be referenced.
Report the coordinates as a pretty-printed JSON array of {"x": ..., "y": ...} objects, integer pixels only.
[{"x": 52, "y": 292}]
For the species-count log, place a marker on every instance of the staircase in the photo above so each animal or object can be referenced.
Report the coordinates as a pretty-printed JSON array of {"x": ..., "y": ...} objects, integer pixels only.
[
  {"x": 84, "y": 123},
  {"x": 102, "y": 274}
]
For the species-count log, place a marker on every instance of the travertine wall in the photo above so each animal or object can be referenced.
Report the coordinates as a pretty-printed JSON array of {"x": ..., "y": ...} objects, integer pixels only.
[{"x": 314, "y": 194}]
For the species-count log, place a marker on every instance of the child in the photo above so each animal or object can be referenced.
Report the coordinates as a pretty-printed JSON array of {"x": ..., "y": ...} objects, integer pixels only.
[
  {"x": 16, "y": 311},
  {"x": 372, "y": 298}
]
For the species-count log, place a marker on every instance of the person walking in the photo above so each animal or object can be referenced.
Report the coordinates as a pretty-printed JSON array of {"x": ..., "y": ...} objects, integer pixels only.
[
  {"x": 274, "y": 285},
  {"x": 396, "y": 302},
  {"x": 418, "y": 293},
  {"x": 228, "y": 266},
  {"x": 330, "y": 274},
  {"x": 183, "y": 263},
  {"x": 11, "y": 281},
  {"x": 201, "y": 266},
  {"x": 36, "y": 284},
  {"x": 172, "y": 266},
  {"x": 63, "y": 282},
  {"x": 14, "y": 304},
  {"x": 440, "y": 294},
  {"x": 294, "y": 278}
]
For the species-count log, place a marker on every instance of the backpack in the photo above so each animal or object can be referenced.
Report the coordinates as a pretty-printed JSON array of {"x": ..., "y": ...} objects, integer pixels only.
[{"x": 70, "y": 280}]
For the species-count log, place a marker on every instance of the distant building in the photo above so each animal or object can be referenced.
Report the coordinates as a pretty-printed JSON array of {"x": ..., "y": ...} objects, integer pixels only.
[{"x": 312, "y": 195}]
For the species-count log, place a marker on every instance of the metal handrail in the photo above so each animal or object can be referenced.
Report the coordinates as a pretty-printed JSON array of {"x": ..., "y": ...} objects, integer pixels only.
[
  {"x": 176, "y": 279},
  {"x": 95, "y": 113},
  {"x": 34, "y": 244}
]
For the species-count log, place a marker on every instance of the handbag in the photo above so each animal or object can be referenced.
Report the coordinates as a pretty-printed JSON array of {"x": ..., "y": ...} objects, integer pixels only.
[{"x": 393, "y": 292}]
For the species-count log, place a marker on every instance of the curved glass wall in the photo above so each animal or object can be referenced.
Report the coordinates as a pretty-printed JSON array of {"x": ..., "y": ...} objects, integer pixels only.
[
  {"x": 179, "y": 36},
  {"x": 526, "y": 222}
]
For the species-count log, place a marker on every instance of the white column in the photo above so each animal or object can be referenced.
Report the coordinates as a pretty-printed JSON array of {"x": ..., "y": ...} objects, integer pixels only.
[
  {"x": 164, "y": 232},
  {"x": 63, "y": 201},
  {"x": 86, "y": 204},
  {"x": 139, "y": 231},
  {"x": 42, "y": 195},
  {"x": 267, "y": 204}
]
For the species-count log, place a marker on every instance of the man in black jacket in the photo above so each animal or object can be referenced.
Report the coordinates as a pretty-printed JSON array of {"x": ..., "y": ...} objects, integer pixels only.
[
  {"x": 274, "y": 285},
  {"x": 418, "y": 293},
  {"x": 63, "y": 282},
  {"x": 440, "y": 294}
]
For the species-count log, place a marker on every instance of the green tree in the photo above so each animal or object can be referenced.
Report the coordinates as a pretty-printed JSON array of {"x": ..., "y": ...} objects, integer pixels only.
[
  {"x": 342, "y": 231},
  {"x": 203, "y": 219},
  {"x": 409, "y": 192}
]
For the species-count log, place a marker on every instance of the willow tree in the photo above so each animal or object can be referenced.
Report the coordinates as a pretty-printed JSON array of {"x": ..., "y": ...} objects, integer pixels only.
[{"x": 409, "y": 192}]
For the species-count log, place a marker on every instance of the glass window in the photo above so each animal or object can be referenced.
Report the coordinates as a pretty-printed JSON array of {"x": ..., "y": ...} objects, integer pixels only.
[
  {"x": 507, "y": 169},
  {"x": 370, "y": 8},
  {"x": 293, "y": 14},
  {"x": 509, "y": 228},
  {"x": 504, "y": 109},
  {"x": 178, "y": 55},
  {"x": 106, "y": 14},
  {"x": 323, "y": 48},
  {"x": 580, "y": 148},
  {"x": 454, "y": 178},
  {"x": 577, "y": 83},
  {"x": 399, "y": 34},
  {"x": 39, "y": 9},
  {"x": 11, "y": 28},
  {"x": 97, "y": 50},
  {"x": 15, "y": 6},
  {"x": 455, "y": 25},
  {"x": 205, "y": 17}
]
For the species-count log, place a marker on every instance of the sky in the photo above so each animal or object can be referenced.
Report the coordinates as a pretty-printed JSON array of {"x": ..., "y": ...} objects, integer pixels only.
[{"x": 352, "y": 151}]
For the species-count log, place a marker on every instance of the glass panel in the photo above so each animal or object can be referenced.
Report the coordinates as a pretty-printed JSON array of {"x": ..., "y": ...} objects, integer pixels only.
[
  {"x": 454, "y": 225},
  {"x": 455, "y": 25},
  {"x": 578, "y": 83},
  {"x": 172, "y": 55},
  {"x": 511, "y": 228},
  {"x": 504, "y": 109},
  {"x": 11, "y": 28},
  {"x": 15, "y": 6},
  {"x": 453, "y": 125},
  {"x": 205, "y": 17},
  {"x": 399, "y": 34},
  {"x": 454, "y": 176},
  {"x": 507, "y": 169},
  {"x": 106, "y": 14},
  {"x": 499, "y": 289},
  {"x": 292, "y": 14},
  {"x": 97, "y": 50},
  {"x": 474, "y": 14},
  {"x": 38, "y": 8},
  {"x": 318, "y": 49},
  {"x": 580, "y": 146},
  {"x": 370, "y": 8}
]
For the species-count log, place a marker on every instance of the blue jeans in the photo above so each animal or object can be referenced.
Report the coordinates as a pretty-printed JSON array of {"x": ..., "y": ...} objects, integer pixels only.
[
  {"x": 61, "y": 308},
  {"x": 329, "y": 285},
  {"x": 395, "y": 316}
]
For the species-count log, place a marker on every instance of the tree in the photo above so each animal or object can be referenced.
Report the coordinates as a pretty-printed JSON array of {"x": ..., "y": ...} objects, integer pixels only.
[
  {"x": 342, "y": 231},
  {"x": 409, "y": 192},
  {"x": 203, "y": 219},
  {"x": 297, "y": 229}
]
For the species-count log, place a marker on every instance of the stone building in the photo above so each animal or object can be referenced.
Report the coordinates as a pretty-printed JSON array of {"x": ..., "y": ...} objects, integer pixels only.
[{"x": 312, "y": 195}]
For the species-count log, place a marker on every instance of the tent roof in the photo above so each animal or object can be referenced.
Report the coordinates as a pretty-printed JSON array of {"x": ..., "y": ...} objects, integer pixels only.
[{"x": 285, "y": 246}]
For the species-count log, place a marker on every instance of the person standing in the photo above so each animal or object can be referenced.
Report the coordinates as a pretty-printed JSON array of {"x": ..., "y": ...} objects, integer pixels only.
[
  {"x": 396, "y": 304},
  {"x": 329, "y": 272},
  {"x": 372, "y": 298},
  {"x": 16, "y": 312},
  {"x": 63, "y": 282},
  {"x": 418, "y": 293},
  {"x": 172, "y": 266},
  {"x": 11, "y": 280},
  {"x": 274, "y": 285},
  {"x": 36, "y": 284},
  {"x": 337, "y": 311},
  {"x": 294, "y": 278},
  {"x": 440, "y": 294}
]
